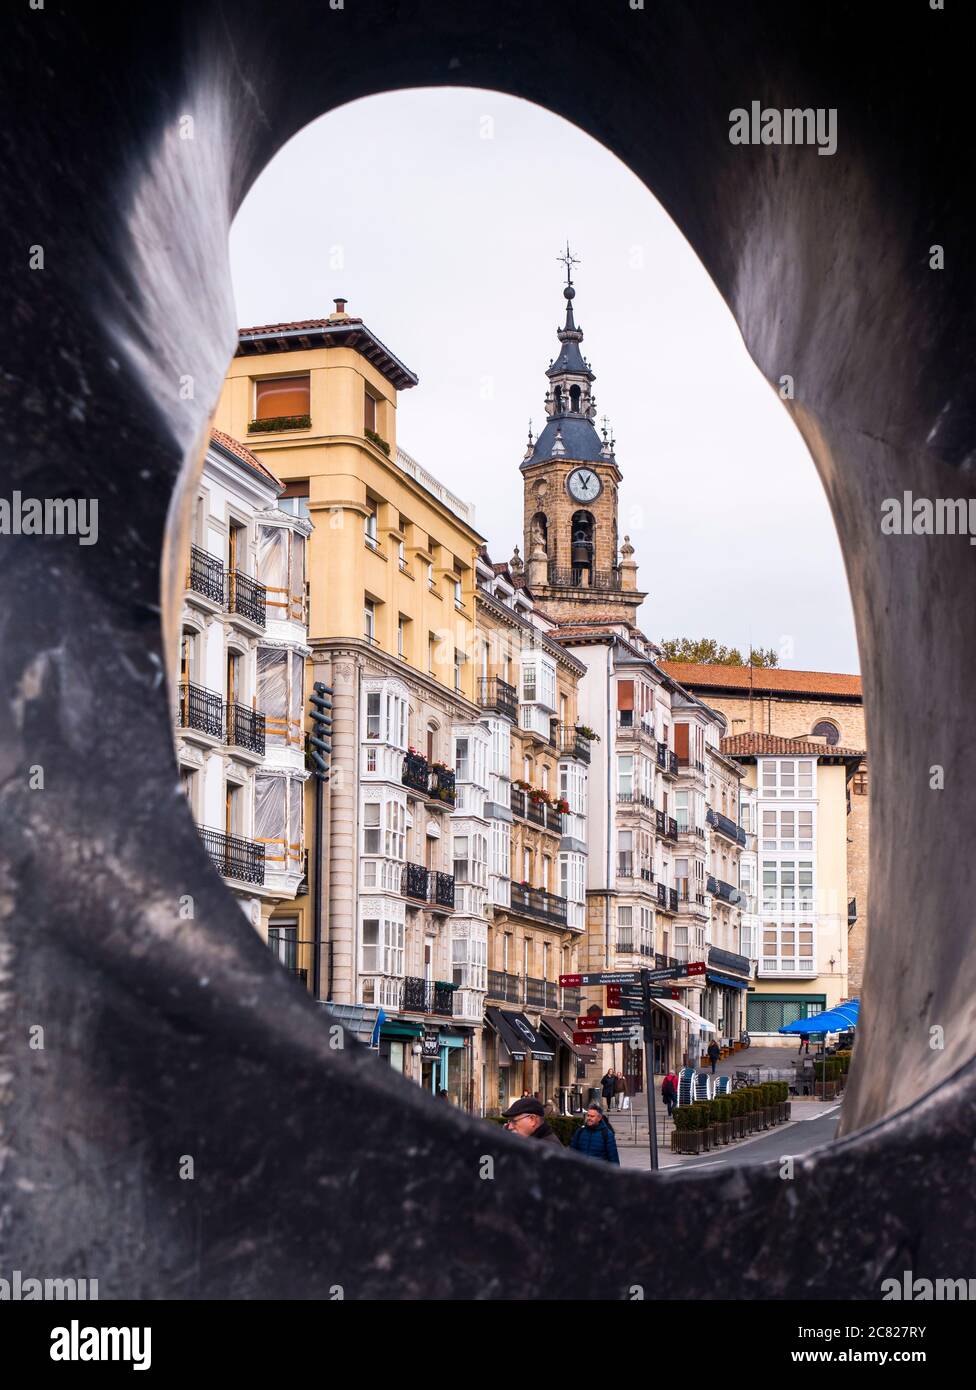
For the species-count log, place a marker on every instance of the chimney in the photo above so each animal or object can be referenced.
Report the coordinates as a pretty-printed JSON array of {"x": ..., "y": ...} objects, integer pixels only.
[{"x": 340, "y": 309}]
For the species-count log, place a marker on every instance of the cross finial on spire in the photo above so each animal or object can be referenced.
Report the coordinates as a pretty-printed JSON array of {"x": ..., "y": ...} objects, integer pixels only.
[{"x": 569, "y": 260}]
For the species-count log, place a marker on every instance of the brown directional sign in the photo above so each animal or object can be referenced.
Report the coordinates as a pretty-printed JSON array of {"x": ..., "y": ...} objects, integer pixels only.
[
  {"x": 618, "y": 998},
  {"x": 601, "y": 977},
  {"x": 588, "y": 1021},
  {"x": 675, "y": 972},
  {"x": 618, "y": 1035}
]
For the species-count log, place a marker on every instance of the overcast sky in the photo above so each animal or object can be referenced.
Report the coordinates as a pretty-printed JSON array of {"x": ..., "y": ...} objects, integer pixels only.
[{"x": 439, "y": 215}]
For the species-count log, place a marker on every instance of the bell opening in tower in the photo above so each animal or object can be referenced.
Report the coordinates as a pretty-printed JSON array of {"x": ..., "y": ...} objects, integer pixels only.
[{"x": 581, "y": 555}]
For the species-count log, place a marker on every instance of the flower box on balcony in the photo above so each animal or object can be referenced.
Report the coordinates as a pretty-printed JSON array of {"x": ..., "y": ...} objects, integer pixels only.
[
  {"x": 279, "y": 422},
  {"x": 378, "y": 440}
]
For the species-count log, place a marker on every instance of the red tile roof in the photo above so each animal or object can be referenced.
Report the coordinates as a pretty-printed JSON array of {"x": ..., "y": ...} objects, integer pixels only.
[
  {"x": 310, "y": 324},
  {"x": 240, "y": 451},
  {"x": 763, "y": 680},
  {"x": 773, "y": 745}
]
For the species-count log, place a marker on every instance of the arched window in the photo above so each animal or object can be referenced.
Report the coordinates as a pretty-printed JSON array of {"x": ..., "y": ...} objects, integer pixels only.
[
  {"x": 582, "y": 530},
  {"x": 574, "y": 398},
  {"x": 558, "y": 393},
  {"x": 824, "y": 729}
]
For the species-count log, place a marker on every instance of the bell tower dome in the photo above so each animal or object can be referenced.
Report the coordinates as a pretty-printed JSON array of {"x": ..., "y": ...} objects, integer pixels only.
[{"x": 570, "y": 485}]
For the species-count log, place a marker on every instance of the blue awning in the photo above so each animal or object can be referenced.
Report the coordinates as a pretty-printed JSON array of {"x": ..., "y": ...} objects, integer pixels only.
[
  {"x": 832, "y": 1021},
  {"x": 725, "y": 981}
]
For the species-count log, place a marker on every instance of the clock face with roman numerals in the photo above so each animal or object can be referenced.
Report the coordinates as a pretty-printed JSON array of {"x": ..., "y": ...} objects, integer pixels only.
[{"x": 584, "y": 485}]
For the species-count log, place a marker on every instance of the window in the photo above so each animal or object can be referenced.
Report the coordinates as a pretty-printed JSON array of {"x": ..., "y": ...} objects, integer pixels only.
[
  {"x": 458, "y": 668},
  {"x": 430, "y": 576},
  {"x": 382, "y": 947},
  {"x": 747, "y": 817},
  {"x": 526, "y": 866},
  {"x": 188, "y": 781},
  {"x": 369, "y": 527},
  {"x": 396, "y": 814},
  {"x": 625, "y": 852},
  {"x": 528, "y": 684},
  {"x": 787, "y": 778},
  {"x": 461, "y": 759},
  {"x": 625, "y": 928},
  {"x": 401, "y": 634},
  {"x": 371, "y": 827},
  {"x": 681, "y": 810},
  {"x": 431, "y": 653},
  {"x": 547, "y": 872},
  {"x": 373, "y": 707},
  {"x": 825, "y": 729},
  {"x": 625, "y": 776},
  {"x": 369, "y": 620},
  {"x": 545, "y": 777},
  {"x": 861, "y": 783},
  {"x": 281, "y": 395},
  {"x": 458, "y": 595},
  {"x": 787, "y": 830},
  {"x": 787, "y": 887},
  {"x": 294, "y": 499},
  {"x": 369, "y": 410},
  {"x": 787, "y": 949},
  {"x": 401, "y": 555}
]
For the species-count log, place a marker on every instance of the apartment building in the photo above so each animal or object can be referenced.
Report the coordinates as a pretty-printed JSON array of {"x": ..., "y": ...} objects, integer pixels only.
[
  {"x": 526, "y": 686},
  {"x": 240, "y": 695},
  {"x": 800, "y": 794},
  {"x": 823, "y": 706},
  {"x": 402, "y": 872}
]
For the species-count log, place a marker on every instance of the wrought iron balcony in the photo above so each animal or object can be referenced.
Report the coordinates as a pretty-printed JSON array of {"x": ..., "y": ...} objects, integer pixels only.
[
  {"x": 666, "y": 760},
  {"x": 443, "y": 786},
  {"x": 667, "y": 897},
  {"x": 727, "y": 892},
  {"x": 503, "y": 986},
  {"x": 247, "y": 597},
  {"x": 660, "y": 822},
  {"x": 206, "y": 575},
  {"x": 496, "y": 694},
  {"x": 635, "y": 799},
  {"x": 442, "y": 890},
  {"x": 245, "y": 728},
  {"x": 672, "y": 899},
  {"x": 536, "y": 902},
  {"x": 541, "y": 994},
  {"x": 518, "y": 801},
  {"x": 724, "y": 826},
  {"x": 582, "y": 577},
  {"x": 427, "y": 997},
  {"x": 201, "y": 709},
  {"x": 671, "y": 830},
  {"x": 235, "y": 858},
  {"x": 416, "y": 772},
  {"x": 852, "y": 912},
  {"x": 574, "y": 743},
  {"x": 554, "y": 819},
  {"x": 571, "y": 1003},
  {"x": 415, "y": 882}
]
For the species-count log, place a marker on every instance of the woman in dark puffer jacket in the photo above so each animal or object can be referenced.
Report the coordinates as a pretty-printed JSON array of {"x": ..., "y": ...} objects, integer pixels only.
[{"x": 596, "y": 1137}]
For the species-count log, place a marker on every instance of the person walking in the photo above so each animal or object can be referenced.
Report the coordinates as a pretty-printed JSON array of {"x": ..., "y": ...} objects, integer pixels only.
[
  {"x": 669, "y": 1091},
  {"x": 622, "y": 1091},
  {"x": 714, "y": 1053},
  {"x": 527, "y": 1117},
  {"x": 595, "y": 1137},
  {"x": 608, "y": 1085}
]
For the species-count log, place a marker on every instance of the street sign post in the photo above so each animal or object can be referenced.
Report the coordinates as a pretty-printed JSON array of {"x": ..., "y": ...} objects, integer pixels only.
[
  {"x": 608, "y": 1020},
  {"x": 610, "y": 1035}
]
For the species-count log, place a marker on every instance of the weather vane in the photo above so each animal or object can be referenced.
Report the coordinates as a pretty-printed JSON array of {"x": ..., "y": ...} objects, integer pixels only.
[{"x": 569, "y": 260}]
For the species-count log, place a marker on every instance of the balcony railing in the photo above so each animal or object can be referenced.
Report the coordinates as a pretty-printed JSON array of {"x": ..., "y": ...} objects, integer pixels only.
[
  {"x": 235, "y": 858},
  {"x": 541, "y": 994},
  {"x": 536, "y": 812},
  {"x": 427, "y": 997},
  {"x": 536, "y": 902},
  {"x": 503, "y": 986},
  {"x": 725, "y": 826},
  {"x": 416, "y": 772},
  {"x": 496, "y": 694},
  {"x": 247, "y": 597},
  {"x": 206, "y": 575},
  {"x": 442, "y": 890},
  {"x": 245, "y": 728},
  {"x": 635, "y": 799},
  {"x": 667, "y": 897},
  {"x": 720, "y": 889},
  {"x": 574, "y": 743},
  {"x": 415, "y": 882},
  {"x": 554, "y": 819},
  {"x": 666, "y": 760},
  {"x": 443, "y": 785},
  {"x": 671, "y": 829},
  {"x": 852, "y": 912},
  {"x": 571, "y": 1003},
  {"x": 581, "y": 577},
  {"x": 660, "y": 821},
  {"x": 201, "y": 709}
]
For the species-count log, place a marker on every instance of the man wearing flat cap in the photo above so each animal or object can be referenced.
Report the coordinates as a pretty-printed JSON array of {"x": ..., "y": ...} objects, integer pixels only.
[{"x": 528, "y": 1118}]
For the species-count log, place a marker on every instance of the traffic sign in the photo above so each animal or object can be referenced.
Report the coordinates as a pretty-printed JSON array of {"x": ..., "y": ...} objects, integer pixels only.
[
  {"x": 607, "y": 1020},
  {"x": 674, "y": 972},
  {"x": 601, "y": 977},
  {"x": 621, "y": 999}
]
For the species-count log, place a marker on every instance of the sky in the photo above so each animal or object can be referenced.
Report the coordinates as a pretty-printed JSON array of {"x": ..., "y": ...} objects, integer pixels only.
[{"x": 439, "y": 215}]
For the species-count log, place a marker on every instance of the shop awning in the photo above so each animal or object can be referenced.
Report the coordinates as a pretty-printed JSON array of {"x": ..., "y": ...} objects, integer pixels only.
[
  {"x": 397, "y": 1028},
  {"x": 836, "y": 1020},
  {"x": 563, "y": 1034},
  {"x": 725, "y": 981},
  {"x": 672, "y": 1006},
  {"x": 518, "y": 1035}
]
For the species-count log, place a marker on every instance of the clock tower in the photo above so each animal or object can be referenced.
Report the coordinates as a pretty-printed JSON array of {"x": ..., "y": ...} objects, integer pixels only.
[{"x": 575, "y": 564}]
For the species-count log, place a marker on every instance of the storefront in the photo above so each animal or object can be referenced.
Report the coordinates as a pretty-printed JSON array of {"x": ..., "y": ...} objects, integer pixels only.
[
  {"x": 727, "y": 982},
  {"x": 521, "y": 1056},
  {"x": 568, "y": 1085}
]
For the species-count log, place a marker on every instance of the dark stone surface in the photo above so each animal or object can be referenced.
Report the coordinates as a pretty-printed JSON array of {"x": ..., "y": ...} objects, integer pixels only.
[{"x": 165, "y": 1037}]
